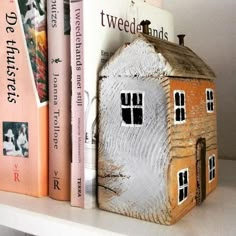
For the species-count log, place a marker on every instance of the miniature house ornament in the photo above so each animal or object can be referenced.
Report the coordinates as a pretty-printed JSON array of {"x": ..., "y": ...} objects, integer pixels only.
[{"x": 157, "y": 131}]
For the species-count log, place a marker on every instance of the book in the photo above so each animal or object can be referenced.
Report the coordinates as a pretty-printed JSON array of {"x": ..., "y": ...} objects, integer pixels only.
[
  {"x": 59, "y": 99},
  {"x": 98, "y": 29},
  {"x": 24, "y": 98}
]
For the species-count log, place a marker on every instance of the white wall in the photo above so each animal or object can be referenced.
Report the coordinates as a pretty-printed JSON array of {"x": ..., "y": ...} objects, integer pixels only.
[{"x": 210, "y": 28}]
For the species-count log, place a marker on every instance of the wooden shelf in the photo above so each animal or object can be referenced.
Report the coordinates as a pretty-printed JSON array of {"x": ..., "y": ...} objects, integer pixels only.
[{"x": 46, "y": 216}]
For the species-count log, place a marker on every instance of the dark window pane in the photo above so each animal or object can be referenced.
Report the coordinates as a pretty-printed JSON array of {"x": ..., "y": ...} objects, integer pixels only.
[
  {"x": 181, "y": 195},
  {"x": 182, "y": 99},
  {"x": 137, "y": 99},
  {"x": 138, "y": 116},
  {"x": 140, "y": 99},
  {"x": 210, "y": 163},
  {"x": 185, "y": 192},
  {"x": 125, "y": 99},
  {"x": 185, "y": 177},
  {"x": 213, "y": 162},
  {"x": 208, "y": 106},
  {"x": 211, "y": 95},
  {"x": 126, "y": 115},
  {"x": 213, "y": 174},
  {"x": 212, "y": 106},
  {"x": 182, "y": 114},
  {"x": 177, "y": 114},
  {"x": 177, "y": 99},
  {"x": 181, "y": 179},
  {"x": 208, "y": 95}
]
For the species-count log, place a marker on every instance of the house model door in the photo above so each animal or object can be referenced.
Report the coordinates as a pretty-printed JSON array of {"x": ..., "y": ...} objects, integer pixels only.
[{"x": 201, "y": 171}]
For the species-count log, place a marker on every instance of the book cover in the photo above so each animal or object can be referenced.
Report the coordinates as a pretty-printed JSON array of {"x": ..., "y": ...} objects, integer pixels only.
[
  {"x": 59, "y": 99},
  {"x": 24, "y": 96},
  {"x": 98, "y": 29}
]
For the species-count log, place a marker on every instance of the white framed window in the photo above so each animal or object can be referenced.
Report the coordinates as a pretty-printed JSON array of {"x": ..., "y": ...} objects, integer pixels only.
[
  {"x": 179, "y": 106},
  {"x": 212, "y": 168},
  {"x": 183, "y": 181},
  {"x": 209, "y": 100},
  {"x": 132, "y": 108}
]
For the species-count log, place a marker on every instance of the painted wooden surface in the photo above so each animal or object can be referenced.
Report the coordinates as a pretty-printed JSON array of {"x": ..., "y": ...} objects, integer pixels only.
[
  {"x": 133, "y": 161},
  {"x": 158, "y": 58},
  {"x": 181, "y": 60},
  {"x": 138, "y": 166},
  {"x": 199, "y": 124}
]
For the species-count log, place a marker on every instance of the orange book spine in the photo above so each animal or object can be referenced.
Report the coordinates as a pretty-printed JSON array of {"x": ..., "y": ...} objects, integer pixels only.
[{"x": 59, "y": 102}]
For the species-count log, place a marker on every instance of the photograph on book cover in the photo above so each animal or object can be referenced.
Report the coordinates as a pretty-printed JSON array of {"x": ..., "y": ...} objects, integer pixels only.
[
  {"x": 33, "y": 19},
  {"x": 15, "y": 139},
  {"x": 67, "y": 17}
]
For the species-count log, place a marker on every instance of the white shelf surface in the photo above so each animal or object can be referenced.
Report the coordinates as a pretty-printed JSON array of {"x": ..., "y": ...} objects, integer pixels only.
[{"x": 45, "y": 216}]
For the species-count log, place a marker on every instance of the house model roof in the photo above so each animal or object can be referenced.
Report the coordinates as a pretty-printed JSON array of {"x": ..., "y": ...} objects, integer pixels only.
[{"x": 150, "y": 56}]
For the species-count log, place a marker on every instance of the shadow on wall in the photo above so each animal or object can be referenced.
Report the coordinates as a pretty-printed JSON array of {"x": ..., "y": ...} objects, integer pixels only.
[{"x": 211, "y": 33}]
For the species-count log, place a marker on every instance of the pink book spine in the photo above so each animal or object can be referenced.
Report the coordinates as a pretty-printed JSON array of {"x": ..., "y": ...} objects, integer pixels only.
[
  {"x": 59, "y": 103},
  {"x": 77, "y": 104}
]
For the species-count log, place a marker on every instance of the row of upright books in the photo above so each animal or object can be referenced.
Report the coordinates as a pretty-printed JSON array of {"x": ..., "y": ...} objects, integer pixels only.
[{"x": 49, "y": 142}]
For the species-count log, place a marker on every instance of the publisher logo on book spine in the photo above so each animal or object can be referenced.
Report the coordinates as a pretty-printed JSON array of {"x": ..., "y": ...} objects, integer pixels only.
[
  {"x": 56, "y": 181},
  {"x": 16, "y": 173}
]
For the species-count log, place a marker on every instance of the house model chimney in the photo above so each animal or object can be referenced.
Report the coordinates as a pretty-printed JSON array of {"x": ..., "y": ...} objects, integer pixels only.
[
  {"x": 181, "y": 39},
  {"x": 145, "y": 24}
]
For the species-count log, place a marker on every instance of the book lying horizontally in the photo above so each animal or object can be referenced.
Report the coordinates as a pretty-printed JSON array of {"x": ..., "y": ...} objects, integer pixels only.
[
  {"x": 59, "y": 103},
  {"x": 23, "y": 94},
  {"x": 98, "y": 29}
]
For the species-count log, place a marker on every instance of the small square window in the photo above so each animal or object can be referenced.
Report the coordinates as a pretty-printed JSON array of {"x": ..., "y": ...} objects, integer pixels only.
[{"x": 132, "y": 108}]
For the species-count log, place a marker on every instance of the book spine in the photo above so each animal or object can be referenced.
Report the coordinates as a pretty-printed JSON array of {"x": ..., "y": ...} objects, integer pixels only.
[
  {"x": 59, "y": 103},
  {"x": 77, "y": 103}
]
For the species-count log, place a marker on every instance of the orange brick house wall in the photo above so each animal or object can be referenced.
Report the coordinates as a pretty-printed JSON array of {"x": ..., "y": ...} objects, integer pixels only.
[{"x": 183, "y": 139}]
